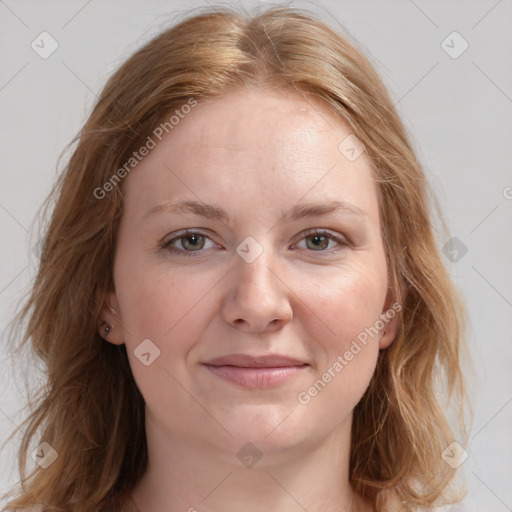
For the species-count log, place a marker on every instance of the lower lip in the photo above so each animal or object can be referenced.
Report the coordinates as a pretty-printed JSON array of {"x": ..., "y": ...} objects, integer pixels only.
[{"x": 256, "y": 377}]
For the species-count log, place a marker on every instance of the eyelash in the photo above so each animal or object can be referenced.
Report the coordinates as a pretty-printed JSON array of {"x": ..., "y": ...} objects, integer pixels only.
[{"x": 315, "y": 232}]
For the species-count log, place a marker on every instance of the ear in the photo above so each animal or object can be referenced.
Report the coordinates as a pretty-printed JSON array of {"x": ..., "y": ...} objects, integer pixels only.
[
  {"x": 391, "y": 317},
  {"x": 109, "y": 323}
]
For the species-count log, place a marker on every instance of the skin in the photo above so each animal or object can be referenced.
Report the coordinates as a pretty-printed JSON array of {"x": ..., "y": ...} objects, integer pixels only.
[{"x": 256, "y": 154}]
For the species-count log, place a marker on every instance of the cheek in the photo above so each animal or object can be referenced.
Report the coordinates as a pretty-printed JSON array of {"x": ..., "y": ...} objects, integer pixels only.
[
  {"x": 164, "y": 305},
  {"x": 169, "y": 308},
  {"x": 342, "y": 315},
  {"x": 348, "y": 300}
]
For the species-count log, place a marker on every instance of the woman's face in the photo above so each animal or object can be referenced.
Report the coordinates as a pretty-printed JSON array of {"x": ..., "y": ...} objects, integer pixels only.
[{"x": 252, "y": 176}]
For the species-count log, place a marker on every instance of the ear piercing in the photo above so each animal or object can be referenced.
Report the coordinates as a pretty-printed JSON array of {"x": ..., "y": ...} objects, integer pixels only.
[{"x": 108, "y": 328}]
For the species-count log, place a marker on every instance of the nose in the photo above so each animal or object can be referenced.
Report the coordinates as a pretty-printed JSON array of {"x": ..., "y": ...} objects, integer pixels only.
[{"x": 258, "y": 299}]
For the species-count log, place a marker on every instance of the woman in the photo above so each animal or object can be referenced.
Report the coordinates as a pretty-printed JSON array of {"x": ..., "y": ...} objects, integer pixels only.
[{"x": 240, "y": 301}]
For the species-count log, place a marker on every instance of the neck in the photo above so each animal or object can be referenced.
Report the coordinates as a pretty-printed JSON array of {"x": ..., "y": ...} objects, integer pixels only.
[{"x": 183, "y": 474}]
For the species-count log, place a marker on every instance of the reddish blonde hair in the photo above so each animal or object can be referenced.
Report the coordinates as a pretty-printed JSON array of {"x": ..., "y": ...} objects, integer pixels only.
[{"x": 91, "y": 411}]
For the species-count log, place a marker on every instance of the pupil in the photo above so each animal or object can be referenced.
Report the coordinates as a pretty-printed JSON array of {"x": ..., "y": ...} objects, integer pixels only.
[
  {"x": 319, "y": 241},
  {"x": 192, "y": 241}
]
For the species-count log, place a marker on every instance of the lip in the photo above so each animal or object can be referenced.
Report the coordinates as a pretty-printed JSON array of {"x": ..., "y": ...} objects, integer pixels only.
[
  {"x": 255, "y": 372},
  {"x": 247, "y": 361}
]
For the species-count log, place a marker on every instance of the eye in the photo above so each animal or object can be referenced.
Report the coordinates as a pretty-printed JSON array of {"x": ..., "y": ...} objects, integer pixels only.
[
  {"x": 188, "y": 242},
  {"x": 321, "y": 241},
  {"x": 192, "y": 243}
]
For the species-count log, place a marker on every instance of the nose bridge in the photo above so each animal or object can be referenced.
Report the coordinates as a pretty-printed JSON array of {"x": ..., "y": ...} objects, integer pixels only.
[
  {"x": 257, "y": 297},
  {"x": 253, "y": 270}
]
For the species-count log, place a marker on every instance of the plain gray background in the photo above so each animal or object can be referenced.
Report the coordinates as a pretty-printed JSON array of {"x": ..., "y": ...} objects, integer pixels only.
[{"x": 458, "y": 111}]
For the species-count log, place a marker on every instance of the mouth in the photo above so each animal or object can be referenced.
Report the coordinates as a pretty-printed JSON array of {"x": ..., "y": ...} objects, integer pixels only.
[{"x": 256, "y": 372}]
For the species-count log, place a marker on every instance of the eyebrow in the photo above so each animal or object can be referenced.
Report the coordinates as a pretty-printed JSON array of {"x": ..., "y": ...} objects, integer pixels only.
[{"x": 297, "y": 212}]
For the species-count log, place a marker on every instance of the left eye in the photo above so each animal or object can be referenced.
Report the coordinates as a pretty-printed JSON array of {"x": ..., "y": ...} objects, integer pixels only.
[{"x": 319, "y": 241}]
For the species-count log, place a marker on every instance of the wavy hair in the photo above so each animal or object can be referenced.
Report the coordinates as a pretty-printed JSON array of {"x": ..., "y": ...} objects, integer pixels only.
[{"x": 90, "y": 409}]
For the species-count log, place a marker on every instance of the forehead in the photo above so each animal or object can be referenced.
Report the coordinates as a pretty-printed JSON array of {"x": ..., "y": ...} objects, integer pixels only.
[
  {"x": 273, "y": 124},
  {"x": 254, "y": 143},
  {"x": 261, "y": 111}
]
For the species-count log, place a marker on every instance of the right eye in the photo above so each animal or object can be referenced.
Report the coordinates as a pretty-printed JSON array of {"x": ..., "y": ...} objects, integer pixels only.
[{"x": 188, "y": 242}]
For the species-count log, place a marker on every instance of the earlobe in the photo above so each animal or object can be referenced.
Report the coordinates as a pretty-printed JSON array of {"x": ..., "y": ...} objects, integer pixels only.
[
  {"x": 391, "y": 318},
  {"x": 109, "y": 324},
  {"x": 387, "y": 337}
]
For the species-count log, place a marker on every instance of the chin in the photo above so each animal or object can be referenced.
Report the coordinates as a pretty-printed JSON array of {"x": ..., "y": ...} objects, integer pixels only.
[{"x": 272, "y": 429}]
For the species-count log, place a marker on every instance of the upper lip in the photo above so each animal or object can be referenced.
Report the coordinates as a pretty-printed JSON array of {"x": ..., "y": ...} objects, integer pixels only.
[{"x": 247, "y": 361}]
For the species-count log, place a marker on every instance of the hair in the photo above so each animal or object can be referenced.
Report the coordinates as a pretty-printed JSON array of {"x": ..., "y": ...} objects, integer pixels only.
[{"x": 90, "y": 409}]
